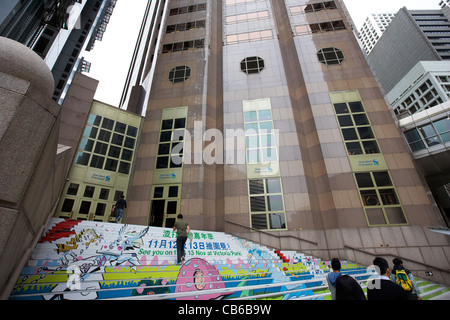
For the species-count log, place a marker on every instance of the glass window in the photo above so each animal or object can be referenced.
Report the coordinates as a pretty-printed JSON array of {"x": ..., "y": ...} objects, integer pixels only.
[
  {"x": 120, "y": 127},
  {"x": 173, "y": 192},
  {"x": 257, "y": 204},
  {"x": 364, "y": 180},
  {"x": 86, "y": 144},
  {"x": 124, "y": 167},
  {"x": 277, "y": 221},
  {"x": 89, "y": 192},
  {"x": 90, "y": 132},
  {"x": 259, "y": 221},
  {"x": 111, "y": 165},
  {"x": 108, "y": 124},
  {"x": 101, "y": 148},
  {"x": 97, "y": 162},
  {"x": 104, "y": 194},
  {"x": 330, "y": 56},
  {"x": 114, "y": 152},
  {"x": 430, "y": 135},
  {"x": 82, "y": 158},
  {"x": 354, "y": 148},
  {"x": 73, "y": 189},
  {"x": 379, "y": 199},
  {"x": 117, "y": 139},
  {"x": 94, "y": 120},
  {"x": 180, "y": 123},
  {"x": 158, "y": 193},
  {"x": 252, "y": 65},
  {"x": 180, "y": 74},
  {"x": 132, "y": 131},
  {"x": 256, "y": 186},
  {"x": 349, "y": 134},
  {"x": 104, "y": 135},
  {"x": 67, "y": 205},
  {"x": 250, "y": 116}
]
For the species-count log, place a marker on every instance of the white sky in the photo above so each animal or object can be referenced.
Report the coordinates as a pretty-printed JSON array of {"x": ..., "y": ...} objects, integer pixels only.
[{"x": 111, "y": 57}]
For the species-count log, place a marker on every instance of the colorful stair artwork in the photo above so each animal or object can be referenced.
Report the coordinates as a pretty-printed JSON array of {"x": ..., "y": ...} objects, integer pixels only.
[{"x": 85, "y": 260}]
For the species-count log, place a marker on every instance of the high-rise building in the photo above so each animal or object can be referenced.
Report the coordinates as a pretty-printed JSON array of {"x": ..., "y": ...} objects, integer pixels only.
[
  {"x": 373, "y": 29},
  {"x": 59, "y": 31},
  {"x": 412, "y": 36},
  {"x": 263, "y": 115}
]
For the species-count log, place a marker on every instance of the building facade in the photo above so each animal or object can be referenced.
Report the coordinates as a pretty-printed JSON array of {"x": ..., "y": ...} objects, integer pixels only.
[
  {"x": 102, "y": 164},
  {"x": 412, "y": 36},
  {"x": 58, "y": 31},
  {"x": 263, "y": 119}
]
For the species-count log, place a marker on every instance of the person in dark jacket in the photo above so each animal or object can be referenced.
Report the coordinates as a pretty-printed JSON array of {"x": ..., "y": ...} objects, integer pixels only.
[
  {"x": 120, "y": 207},
  {"x": 382, "y": 288},
  {"x": 332, "y": 276},
  {"x": 347, "y": 288}
]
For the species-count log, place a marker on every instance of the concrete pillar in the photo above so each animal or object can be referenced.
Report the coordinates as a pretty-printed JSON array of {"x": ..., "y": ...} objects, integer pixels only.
[{"x": 29, "y": 181}]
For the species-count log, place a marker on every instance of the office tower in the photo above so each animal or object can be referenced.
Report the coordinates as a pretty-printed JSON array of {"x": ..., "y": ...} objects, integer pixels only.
[
  {"x": 59, "y": 31},
  {"x": 412, "y": 36},
  {"x": 373, "y": 29},
  {"x": 264, "y": 116}
]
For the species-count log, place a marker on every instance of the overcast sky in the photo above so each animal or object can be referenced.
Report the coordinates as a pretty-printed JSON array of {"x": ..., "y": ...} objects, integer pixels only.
[{"x": 111, "y": 57}]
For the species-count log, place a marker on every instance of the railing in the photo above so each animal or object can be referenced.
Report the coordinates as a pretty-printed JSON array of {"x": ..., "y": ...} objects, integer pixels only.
[{"x": 279, "y": 236}]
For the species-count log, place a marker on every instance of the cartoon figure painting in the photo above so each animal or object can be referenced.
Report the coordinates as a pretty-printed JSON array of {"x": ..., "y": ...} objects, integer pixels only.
[{"x": 195, "y": 276}]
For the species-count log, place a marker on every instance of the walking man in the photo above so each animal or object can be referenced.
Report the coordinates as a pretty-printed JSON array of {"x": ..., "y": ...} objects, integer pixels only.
[
  {"x": 182, "y": 228},
  {"x": 120, "y": 206}
]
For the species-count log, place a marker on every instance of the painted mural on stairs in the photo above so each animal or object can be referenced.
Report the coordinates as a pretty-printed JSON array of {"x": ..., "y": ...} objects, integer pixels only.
[{"x": 80, "y": 260}]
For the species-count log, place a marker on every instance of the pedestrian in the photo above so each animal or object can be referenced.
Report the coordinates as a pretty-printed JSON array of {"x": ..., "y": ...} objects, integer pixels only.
[
  {"x": 182, "y": 228},
  {"x": 347, "y": 288},
  {"x": 404, "y": 278},
  {"x": 382, "y": 288},
  {"x": 332, "y": 276},
  {"x": 120, "y": 207}
]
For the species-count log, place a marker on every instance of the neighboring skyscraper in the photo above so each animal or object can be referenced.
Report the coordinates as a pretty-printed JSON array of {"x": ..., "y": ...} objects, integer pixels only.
[
  {"x": 373, "y": 29},
  {"x": 315, "y": 156},
  {"x": 412, "y": 36},
  {"x": 59, "y": 31}
]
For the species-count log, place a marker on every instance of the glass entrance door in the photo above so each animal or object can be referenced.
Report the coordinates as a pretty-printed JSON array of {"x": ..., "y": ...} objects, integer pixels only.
[{"x": 165, "y": 205}]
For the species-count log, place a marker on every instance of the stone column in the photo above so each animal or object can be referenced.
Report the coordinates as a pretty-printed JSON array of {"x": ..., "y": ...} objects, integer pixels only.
[{"x": 29, "y": 126}]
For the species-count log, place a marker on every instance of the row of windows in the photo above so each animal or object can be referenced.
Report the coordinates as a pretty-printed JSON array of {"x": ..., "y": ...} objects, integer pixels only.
[
  {"x": 260, "y": 137},
  {"x": 379, "y": 198},
  {"x": 314, "y": 7},
  {"x": 435, "y": 133},
  {"x": 188, "y": 9},
  {"x": 234, "y": 2},
  {"x": 266, "y": 204},
  {"x": 186, "y": 26},
  {"x": 426, "y": 96},
  {"x": 246, "y": 17},
  {"x": 182, "y": 46},
  {"x": 250, "y": 37},
  {"x": 171, "y": 144},
  {"x": 252, "y": 65},
  {"x": 320, "y": 27},
  {"x": 107, "y": 144},
  {"x": 356, "y": 129}
]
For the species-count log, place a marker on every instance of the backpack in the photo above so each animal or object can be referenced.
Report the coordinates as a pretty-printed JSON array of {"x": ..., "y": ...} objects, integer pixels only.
[{"x": 403, "y": 280}]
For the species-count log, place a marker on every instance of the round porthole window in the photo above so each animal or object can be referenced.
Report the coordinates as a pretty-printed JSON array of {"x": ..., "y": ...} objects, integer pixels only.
[
  {"x": 179, "y": 74},
  {"x": 252, "y": 65},
  {"x": 330, "y": 56}
]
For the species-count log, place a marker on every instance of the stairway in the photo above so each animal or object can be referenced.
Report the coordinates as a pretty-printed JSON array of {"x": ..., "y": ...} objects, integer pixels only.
[{"x": 84, "y": 260}]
